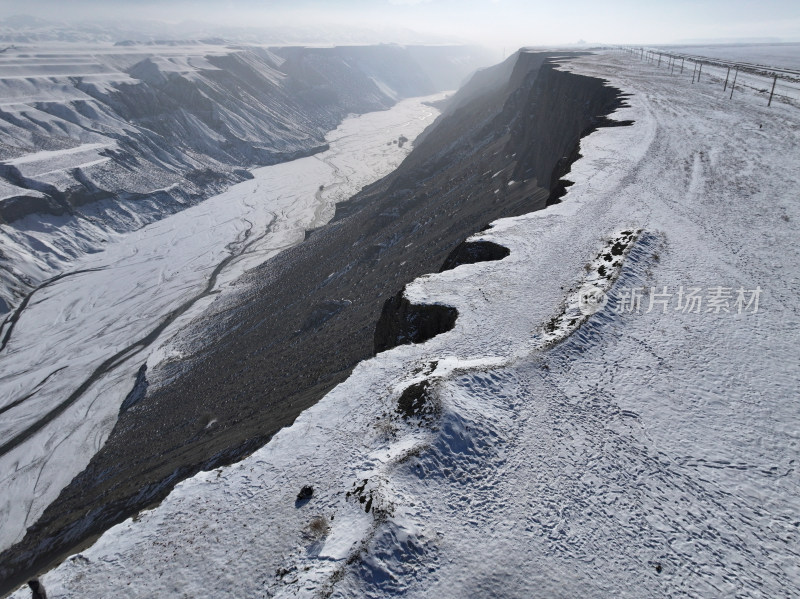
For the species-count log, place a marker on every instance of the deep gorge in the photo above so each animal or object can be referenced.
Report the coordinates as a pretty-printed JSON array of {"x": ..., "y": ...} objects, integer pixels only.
[{"x": 256, "y": 363}]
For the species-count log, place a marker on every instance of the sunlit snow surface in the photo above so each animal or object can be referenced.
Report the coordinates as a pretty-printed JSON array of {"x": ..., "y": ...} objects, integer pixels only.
[
  {"x": 645, "y": 455},
  {"x": 72, "y": 326}
]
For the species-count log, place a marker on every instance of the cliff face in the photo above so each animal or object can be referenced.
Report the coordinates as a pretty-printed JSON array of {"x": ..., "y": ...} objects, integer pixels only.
[
  {"x": 257, "y": 363},
  {"x": 402, "y": 322},
  {"x": 141, "y": 141}
]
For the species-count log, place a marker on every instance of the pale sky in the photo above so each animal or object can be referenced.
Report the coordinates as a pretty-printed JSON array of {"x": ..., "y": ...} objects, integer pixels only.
[{"x": 499, "y": 23}]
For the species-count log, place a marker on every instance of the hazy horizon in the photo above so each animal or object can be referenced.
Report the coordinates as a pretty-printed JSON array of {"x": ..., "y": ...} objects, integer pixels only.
[{"x": 494, "y": 23}]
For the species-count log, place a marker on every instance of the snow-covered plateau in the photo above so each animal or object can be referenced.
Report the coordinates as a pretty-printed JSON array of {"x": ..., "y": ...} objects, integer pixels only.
[
  {"x": 734, "y": 69},
  {"x": 72, "y": 355},
  {"x": 546, "y": 446},
  {"x": 782, "y": 55}
]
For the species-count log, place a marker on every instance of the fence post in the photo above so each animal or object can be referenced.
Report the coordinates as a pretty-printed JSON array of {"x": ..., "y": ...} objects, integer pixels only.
[
  {"x": 728, "y": 74},
  {"x": 681, "y": 66},
  {"x": 694, "y": 71},
  {"x": 659, "y": 59},
  {"x": 774, "y": 81},
  {"x": 733, "y": 85},
  {"x": 700, "y": 72}
]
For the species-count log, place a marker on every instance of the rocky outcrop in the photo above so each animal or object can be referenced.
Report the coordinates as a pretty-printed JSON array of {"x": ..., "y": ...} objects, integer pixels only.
[
  {"x": 418, "y": 401},
  {"x": 37, "y": 589}
]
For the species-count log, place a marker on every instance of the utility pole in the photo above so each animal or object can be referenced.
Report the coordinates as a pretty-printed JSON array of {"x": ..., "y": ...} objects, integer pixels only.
[
  {"x": 733, "y": 85},
  {"x": 774, "y": 81}
]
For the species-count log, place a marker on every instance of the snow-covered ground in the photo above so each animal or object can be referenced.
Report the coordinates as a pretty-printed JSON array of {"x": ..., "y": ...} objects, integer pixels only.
[
  {"x": 100, "y": 321},
  {"x": 786, "y": 55},
  {"x": 650, "y": 452},
  {"x": 731, "y": 80}
]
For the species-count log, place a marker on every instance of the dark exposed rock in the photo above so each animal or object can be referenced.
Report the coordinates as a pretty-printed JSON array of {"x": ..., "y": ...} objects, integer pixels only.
[
  {"x": 471, "y": 252},
  {"x": 402, "y": 322},
  {"x": 46, "y": 198},
  {"x": 17, "y": 207},
  {"x": 304, "y": 496},
  {"x": 243, "y": 174},
  {"x": 37, "y": 589},
  {"x": 418, "y": 401},
  {"x": 139, "y": 390}
]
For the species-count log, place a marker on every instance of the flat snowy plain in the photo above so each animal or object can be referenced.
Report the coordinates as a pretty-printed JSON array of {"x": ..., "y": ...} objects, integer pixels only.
[
  {"x": 644, "y": 454},
  {"x": 111, "y": 308},
  {"x": 785, "y": 55}
]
